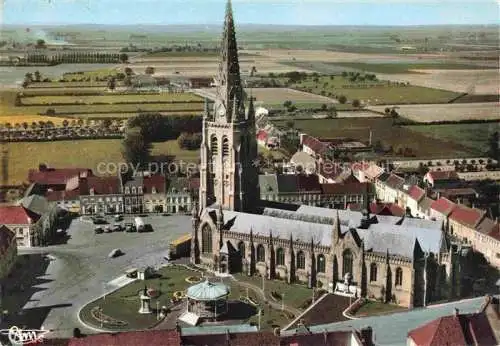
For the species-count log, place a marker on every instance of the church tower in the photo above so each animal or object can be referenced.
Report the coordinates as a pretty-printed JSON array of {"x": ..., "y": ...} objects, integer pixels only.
[{"x": 229, "y": 147}]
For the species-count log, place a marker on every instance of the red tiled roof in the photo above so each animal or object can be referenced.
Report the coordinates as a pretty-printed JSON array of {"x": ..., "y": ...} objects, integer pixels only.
[
  {"x": 316, "y": 145},
  {"x": 394, "y": 181},
  {"x": 467, "y": 216},
  {"x": 360, "y": 166},
  {"x": 442, "y": 331},
  {"x": 14, "y": 215},
  {"x": 465, "y": 191},
  {"x": 416, "y": 193},
  {"x": 101, "y": 185},
  {"x": 6, "y": 237},
  {"x": 340, "y": 338},
  {"x": 443, "y": 206},
  {"x": 262, "y": 135},
  {"x": 53, "y": 196},
  {"x": 390, "y": 209},
  {"x": 308, "y": 183},
  {"x": 157, "y": 181},
  {"x": 53, "y": 176},
  {"x": 443, "y": 175},
  {"x": 353, "y": 188},
  {"x": 136, "y": 338},
  {"x": 495, "y": 232}
]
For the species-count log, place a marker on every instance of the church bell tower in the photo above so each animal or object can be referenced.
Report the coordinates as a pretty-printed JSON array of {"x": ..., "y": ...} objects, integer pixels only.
[{"x": 228, "y": 176}]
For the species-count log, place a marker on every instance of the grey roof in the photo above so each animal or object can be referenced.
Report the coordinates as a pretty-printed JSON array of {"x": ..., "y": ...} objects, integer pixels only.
[
  {"x": 422, "y": 223},
  {"x": 394, "y": 242},
  {"x": 207, "y": 290},
  {"x": 219, "y": 329},
  {"x": 392, "y": 329},
  {"x": 304, "y": 159},
  {"x": 383, "y": 177},
  {"x": 35, "y": 203},
  {"x": 353, "y": 217},
  {"x": 389, "y": 219},
  {"x": 287, "y": 183},
  {"x": 429, "y": 239},
  {"x": 268, "y": 183}
]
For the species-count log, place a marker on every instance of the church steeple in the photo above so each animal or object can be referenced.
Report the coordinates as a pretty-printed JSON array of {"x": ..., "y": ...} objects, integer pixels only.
[{"x": 229, "y": 104}]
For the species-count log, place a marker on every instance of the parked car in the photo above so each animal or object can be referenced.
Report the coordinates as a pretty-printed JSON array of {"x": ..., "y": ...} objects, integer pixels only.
[
  {"x": 98, "y": 230},
  {"x": 118, "y": 217},
  {"x": 129, "y": 227},
  {"x": 115, "y": 253},
  {"x": 117, "y": 227},
  {"x": 108, "y": 229},
  {"x": 98, "y": 220}
]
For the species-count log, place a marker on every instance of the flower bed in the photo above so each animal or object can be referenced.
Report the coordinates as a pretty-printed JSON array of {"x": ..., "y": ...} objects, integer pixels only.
[
  {"x": 105, "y": 319},
  {"x": 179, "y": 295},
  {"x": 193, "y": 279},
  {"x": 152, "y": 293}
]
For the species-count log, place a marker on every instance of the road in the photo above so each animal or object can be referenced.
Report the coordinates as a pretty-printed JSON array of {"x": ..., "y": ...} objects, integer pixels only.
[{"x": 81, "y": 267}]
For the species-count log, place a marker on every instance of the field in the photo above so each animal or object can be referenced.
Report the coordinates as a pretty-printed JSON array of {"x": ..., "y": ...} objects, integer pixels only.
[
  {"x": 19, "y": 119},
  {"x": 473, "y": 136},
  {"x": 447, "y": 112},
  {"x": 407, "y": 67},
  {"x": 382, "y": 130},
  {"x": 78, "y": 153},
  {"x": 375, "y": 92},
  {"x": 112, "y": 98}
]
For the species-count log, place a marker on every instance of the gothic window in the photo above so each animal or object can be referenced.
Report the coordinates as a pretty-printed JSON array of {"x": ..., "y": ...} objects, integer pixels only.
[
  {"x": 214, "y": 145},
  {"x": 399, "y": 277},
  {"x": 301, "y": 260},
  {"x": 373, "y": 272},
  {"x": 280, "y": 257},
  {"x": 261, "y": 253},
  {"x": 347, "y": 262},
  {"x": 225, "y": 147},
  {"x": 206, "y": 239},
  {"x": 241, "y": 248},
  {"x": 321, "y": 264}
]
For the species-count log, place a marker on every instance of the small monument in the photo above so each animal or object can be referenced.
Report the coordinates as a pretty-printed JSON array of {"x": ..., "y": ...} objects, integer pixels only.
[{"x": 145, "y": 302}]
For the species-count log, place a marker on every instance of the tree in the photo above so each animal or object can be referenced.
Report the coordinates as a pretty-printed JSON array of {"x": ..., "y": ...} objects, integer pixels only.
[
  {"x": 80, "y": 122},
  {"x": 38, "y": 76},
  {"x": 65, "y": 123},
  {"x": 344, "y": 74},
  {"x": 123, "y": 58},
  {"x": 356, "y": 103},
  {"x": 111, "y": 83},
  {"x": 287, "y": 104},
  {"x": 493, "y": 144},
  {"x": 290, "y": 124},
  {"x": 324, "y": 107},
  {"x": 332, "y": 111},
  {"x": 135, "y": 149},
  {"x": 342, "y": 99},
  {"x": 128, "y": 71},
  {"x": 149, "y": 70},
  {"x": 40, "y": 44}
]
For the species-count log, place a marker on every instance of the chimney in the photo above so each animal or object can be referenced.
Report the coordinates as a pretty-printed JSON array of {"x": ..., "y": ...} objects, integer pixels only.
[
  {"x": 456, "y": 312},
  {"x": 367, "y": 336}
]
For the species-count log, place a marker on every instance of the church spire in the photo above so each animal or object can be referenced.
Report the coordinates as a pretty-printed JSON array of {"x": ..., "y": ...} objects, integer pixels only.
[{"x": 229, "y": 89}]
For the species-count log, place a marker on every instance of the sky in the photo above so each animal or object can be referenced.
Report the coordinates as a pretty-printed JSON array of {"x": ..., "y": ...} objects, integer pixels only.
[{"x": 284, "y": 12}]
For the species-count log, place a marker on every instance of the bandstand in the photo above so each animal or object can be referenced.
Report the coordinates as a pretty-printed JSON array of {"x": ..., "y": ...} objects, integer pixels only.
[{"x": 206, "y": 301}]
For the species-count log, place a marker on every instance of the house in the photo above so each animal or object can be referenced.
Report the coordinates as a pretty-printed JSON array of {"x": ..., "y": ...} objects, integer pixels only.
[
  {"x": 330, "y": 172},
  {"x": 290, "y": 188},
  {"x": 8, "y": 252},
  {"x": 366, "y": 172},
  {"x": 441, "y": 179},
  {"x": 441, "y": 208},
  {"x": 179, "y": 197},
  {"x": 37, "y": 205},
  {"x": 154, "y": 191},
  {"x": 412, "y": 196},
  {"x": 101, "y": 195},
  {"x": 388, "y": 187},
  {"x": 463, "y": 221},
  {"x": 312, "y": 145},
  {"x": 344, "y": 194},
  {"x": 480, "y": 328},
  {"x": 20, "y": 221},
  {"x": 132, "y": 195},
  {"x": 464, "y": 195},
  {"x": 55, "y": 178}
]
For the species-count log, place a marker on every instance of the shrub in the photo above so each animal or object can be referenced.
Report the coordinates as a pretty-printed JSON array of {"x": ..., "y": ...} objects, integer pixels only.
[{"x": 342, "y": 99}]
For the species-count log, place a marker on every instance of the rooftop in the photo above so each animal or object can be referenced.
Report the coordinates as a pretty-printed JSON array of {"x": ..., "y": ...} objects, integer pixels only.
[
  {"x": 467, "y": 216},
  {"x": 55, "y": 176},
  {"x": 207, "y": 290},
  {"x": 14, "y": 215},
  {"x": 443, "y": 175},
  {"x": 443, "y": 206}
]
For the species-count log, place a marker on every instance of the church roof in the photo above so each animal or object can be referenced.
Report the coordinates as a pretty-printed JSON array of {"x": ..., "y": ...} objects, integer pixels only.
[{"x": 207, "y": 290}]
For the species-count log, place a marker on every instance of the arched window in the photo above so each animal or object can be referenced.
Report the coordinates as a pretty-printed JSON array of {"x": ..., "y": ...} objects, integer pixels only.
[
  {"x": 214, "y": 145},
  {"x": 347, "y": 262},
  {"x": 321, "y": 264},
  {"x": 280, "y": 257},
  {"x": 301, "y": 260},
  {"x": 399, "y": 277},
  {"x": 261, "y": 253},
  {"x": 241, "y": 248},
  {"x": 206, "y": 239},
  {"x": 373, "y": 272},
  {"x": 225, "y": 147}
]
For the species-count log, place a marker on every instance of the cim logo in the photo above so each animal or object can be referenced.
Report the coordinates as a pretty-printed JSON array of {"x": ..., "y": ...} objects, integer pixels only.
[{"x": 18, "y": 336}]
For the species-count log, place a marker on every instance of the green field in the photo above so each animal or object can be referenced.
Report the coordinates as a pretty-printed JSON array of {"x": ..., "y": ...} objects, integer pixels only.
[
  {"x": 382, "y": 130},
  {"x": 375, "y": 92},
  {"x": 372, "y": 308},
  {"x": 407, "y": 67},
  {"x": 112, "y": 98},
  {"x": 101, "y": 73},
  {"x": 78, "y": 153},
  {"x": 473, "y": 136},
  {"x": 92, "y": 84}
]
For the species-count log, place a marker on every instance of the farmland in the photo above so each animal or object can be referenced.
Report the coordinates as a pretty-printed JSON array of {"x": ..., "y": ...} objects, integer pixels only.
[
  {"x": 447, "y": 112},
  {"x": 78, "y": 153},
  {"x": 382, "y": 130},
  {"x": 111, "y": 99},
  {"x": 473, "y": 136},
  {"x": 407, "y": 67}
]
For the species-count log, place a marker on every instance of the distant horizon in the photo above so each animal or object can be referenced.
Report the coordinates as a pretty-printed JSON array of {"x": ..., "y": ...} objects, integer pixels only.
[{"x": 381, "y": 13}]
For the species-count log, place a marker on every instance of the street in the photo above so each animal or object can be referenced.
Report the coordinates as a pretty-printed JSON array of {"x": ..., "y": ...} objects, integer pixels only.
[{"x": 79, "y": 270}]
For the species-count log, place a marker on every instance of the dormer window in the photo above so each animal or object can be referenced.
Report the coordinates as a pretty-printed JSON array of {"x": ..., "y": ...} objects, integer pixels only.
[{"x": 92, "y": 192}]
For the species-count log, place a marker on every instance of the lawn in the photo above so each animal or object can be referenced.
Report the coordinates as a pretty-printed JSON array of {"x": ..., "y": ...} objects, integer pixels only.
[
  {"x": 78, "y": 153},
  {"x": 407, "y": 67},
  {"x": 381, "y": 130},
  {"x": 112, "y": 98},
  {"x": 375, "y": 92},
  {"x": 473, "y": 136},
  {"x": 371, "y": 308}
]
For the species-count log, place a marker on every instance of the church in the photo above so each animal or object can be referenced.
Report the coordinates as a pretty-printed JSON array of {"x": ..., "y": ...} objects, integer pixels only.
[{"x": 393, "y": 259}]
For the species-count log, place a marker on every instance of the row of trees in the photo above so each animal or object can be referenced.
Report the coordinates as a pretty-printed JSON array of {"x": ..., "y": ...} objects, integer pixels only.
[
  {"x": 77, "y": 58},
  {"x": 189, "y": 141},
  {"x": 158, "y": 128}
]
